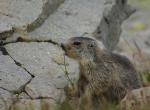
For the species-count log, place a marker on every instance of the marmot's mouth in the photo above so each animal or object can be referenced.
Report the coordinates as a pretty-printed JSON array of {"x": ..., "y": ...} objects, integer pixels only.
[{"x": 63, "y": 47}]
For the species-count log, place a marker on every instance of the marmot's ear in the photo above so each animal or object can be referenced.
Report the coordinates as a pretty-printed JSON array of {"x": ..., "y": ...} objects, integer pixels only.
[{"x": 92, "y": 44}]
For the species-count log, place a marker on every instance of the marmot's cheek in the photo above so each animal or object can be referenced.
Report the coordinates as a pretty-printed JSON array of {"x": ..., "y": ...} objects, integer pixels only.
[
  {"x": 68, "y": 53},
  {"x": 71, "y": 54}
]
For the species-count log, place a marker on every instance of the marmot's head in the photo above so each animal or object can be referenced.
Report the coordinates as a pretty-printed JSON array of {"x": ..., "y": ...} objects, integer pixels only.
[{"x": 80, "y": 48}]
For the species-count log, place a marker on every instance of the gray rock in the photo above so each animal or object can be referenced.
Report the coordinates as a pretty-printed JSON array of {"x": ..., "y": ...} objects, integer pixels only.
[
  {"x": 48, "y": 86},
  {"x": 49, "y": 6},
  {"x": 73, "y": 18},
  {"x": 26, "y": 14},
  {"x": 41, "y": 58},
  {"x": 5, "y": 99},
  {"x": 12, "y": 77},
  {"x": 45, "y": 87}
]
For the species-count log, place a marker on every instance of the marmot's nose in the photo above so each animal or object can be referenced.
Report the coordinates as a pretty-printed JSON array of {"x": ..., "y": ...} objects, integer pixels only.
[{"x": 62, "y": 46}]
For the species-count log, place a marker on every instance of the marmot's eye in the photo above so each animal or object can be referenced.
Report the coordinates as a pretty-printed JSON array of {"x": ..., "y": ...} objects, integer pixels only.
[
  {"x": 91, "y": 45},
  {"x": 77, "y": 43}
]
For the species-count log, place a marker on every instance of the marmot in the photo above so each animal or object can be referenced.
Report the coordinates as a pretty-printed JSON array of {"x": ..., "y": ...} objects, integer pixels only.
[{"x": 102, "y": 73}]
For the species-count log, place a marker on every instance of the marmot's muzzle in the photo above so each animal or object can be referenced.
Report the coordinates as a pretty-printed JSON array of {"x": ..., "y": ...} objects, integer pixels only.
[{"x": 62, "y": 46}]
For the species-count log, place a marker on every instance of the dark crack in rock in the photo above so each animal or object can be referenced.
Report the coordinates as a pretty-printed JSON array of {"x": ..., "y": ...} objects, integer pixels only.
[
  {"x": 12, "y": 76},
  {"x": 40, "y": 58}
]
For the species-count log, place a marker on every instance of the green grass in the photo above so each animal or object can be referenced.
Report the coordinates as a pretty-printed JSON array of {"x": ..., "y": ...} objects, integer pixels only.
[{"x": 146, "y": 78}]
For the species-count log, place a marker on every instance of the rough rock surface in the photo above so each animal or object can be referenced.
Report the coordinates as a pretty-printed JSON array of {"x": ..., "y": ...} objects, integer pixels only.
[
  {"x": 12, "y": 77},
  {"x": 25, "y": 14},
  {"x": 46, "y": 86},
  {"x": 73, "y": 18},
  {"x": 40, "y": 58},
  {"x": 5, "y": 99}
]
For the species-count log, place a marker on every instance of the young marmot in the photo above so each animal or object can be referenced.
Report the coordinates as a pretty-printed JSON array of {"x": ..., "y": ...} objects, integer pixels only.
[{"x": 102, "y": 73}]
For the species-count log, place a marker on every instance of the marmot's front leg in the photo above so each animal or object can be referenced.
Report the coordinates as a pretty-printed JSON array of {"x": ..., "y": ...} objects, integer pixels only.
[
  {"x": 82, "y": 83},
  {"x": 85, "y": 101},
  {"x": 78, "y": 89}
]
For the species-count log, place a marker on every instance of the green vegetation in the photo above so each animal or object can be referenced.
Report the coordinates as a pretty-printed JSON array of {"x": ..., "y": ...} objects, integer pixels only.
[
  {"x": 139, "y": 26},
  {"x": 141, "y": 3},
  {"x": 146, "y": 77}
]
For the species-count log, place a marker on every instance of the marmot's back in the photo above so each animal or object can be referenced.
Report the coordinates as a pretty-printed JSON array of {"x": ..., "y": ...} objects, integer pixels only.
[{"x": 128, "y": 75}]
